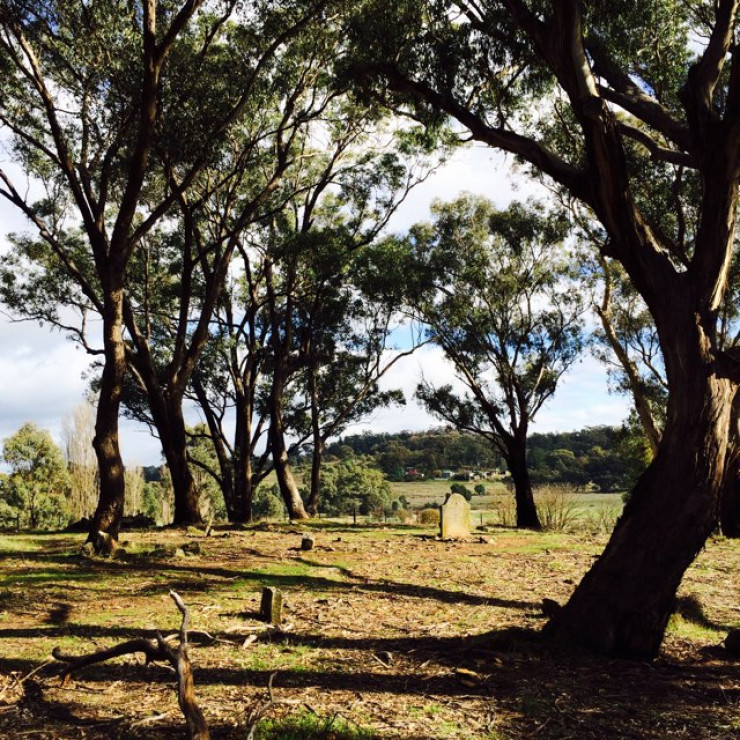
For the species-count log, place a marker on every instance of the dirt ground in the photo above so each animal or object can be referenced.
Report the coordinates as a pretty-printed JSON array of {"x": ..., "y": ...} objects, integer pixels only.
[{"x": 387, "y": 633}]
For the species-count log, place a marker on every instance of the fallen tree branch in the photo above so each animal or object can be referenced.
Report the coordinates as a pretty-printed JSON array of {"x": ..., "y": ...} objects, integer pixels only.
[{"x": 155, "y": 650}]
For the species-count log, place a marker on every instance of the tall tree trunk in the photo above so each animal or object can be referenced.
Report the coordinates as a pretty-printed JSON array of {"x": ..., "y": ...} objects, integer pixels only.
[
  {"x": 729, "y": 517},
  {"x": 526, "y": 511},
  {"x": 317, "y": 456},
  {"x": 623, "y": 604},
  {"x": 109, "y": 511},
  {"x": 286, "y": 482},
  {"x": 174, "y": 446},
  {"x": 227, "y": 477},
  {"x": 243, "y": 483},
  {"x": 165, "y": 406}
]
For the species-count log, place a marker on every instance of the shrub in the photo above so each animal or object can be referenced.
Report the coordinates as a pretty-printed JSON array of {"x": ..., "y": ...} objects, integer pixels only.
[
  {"x": 602, "y": 520},
  {"x": 428, "y": 516},
  {"x": 268, "y": 504},
  {"x": 405, "y": 516},
  {"x": 505, "y": 509},
  {"x": 462, "y": 490},
  {"x": 556, "y": 507}
]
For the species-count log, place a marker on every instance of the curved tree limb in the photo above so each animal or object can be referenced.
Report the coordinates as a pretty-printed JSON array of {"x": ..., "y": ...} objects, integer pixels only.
[{"x": 155, "y": 650}]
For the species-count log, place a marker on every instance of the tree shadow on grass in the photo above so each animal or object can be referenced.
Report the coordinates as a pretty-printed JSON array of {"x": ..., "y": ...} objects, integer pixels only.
[{"x": 549, "y": 692}]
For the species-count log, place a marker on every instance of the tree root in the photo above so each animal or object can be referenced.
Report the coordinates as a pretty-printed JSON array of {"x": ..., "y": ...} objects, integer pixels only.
[{"x": 155, "y": 650}]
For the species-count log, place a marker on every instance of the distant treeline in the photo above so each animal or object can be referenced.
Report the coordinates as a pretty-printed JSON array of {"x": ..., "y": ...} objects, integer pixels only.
[{"x": 597, "y": 457}]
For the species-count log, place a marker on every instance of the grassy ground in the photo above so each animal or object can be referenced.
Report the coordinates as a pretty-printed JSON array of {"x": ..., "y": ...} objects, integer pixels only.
[{"x": 388, "y": 633}]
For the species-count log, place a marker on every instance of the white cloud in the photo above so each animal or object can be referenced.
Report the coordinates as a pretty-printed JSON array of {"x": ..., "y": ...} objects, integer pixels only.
[
  {"x": 581, "y": 400},
  {"x": 41, "y": 371}
]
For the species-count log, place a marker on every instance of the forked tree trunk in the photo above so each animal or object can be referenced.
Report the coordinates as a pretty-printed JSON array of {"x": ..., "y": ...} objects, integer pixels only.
[
  {"x": 623, "y": 604},
  {"x": 109, "y": 510},
  {"x": 281, "y": 464},
  {"x": 243, "y": 480},
  {"x": 286, "y": 482},
  {"x": 526, "y": 511}
]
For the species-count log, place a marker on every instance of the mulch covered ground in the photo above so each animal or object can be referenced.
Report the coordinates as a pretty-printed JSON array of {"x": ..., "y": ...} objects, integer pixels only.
[{"x": 386, "y": 633}]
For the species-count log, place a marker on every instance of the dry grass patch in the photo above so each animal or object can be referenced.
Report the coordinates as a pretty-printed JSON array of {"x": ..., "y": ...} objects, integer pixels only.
[{"x": 385, "y": 635}]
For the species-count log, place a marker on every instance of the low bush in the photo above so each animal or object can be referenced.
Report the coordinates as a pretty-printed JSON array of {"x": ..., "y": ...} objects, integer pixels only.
[
  {"x": 428, "y": 516},
  {"x": 556, "y": 507}
]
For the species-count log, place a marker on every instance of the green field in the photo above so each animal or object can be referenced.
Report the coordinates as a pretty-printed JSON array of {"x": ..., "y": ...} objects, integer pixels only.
[{"x": 562, "y": 505}]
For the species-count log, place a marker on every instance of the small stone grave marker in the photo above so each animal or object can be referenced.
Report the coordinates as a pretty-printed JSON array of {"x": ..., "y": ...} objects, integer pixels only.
[
  {"x": 271, "y": 606},
  {"x": 454, "y": 517}
]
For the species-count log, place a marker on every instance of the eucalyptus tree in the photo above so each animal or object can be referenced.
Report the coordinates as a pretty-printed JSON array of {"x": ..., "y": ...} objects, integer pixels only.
[
  {"x": 179, "y": 278},
  {"x": 81, "y": 98},
  {"x": 34, "y": 493},
  {"x": 640, "y": 85},
  {"x": 296, "y": 350},
  {"x": 628, "y": 344},
  {"x": 115, "y": 110},
  {"x": 225, "y": 386},
  {"x": 502, "y": 305},
  {"x": 320, "y": 325}
]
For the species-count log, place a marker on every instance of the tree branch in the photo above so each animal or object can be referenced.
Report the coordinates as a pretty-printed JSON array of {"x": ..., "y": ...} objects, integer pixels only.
[{"x": 155, "y": 650}]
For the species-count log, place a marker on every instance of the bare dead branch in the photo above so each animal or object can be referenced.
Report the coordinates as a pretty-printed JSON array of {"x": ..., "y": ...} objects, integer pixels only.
[{"x": 155, "y": 650}]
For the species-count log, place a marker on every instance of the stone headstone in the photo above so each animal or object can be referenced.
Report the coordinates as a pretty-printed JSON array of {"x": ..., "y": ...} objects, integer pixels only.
[
  {"x": 271, "y": 606},
  {"x": 454, "y": 517}
]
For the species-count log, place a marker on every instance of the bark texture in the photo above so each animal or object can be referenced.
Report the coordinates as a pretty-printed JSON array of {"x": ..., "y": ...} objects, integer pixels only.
[
  {"x": 526, "y": 511},
  {"x": 109, "y": 510}
]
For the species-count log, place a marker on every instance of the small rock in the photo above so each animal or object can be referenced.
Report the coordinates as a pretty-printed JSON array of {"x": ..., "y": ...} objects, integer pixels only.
[
  {"x": 307, "y": 542},
  {"x": 192, "y": 548},
  {"x": 180, "y": 553},
  {"x": 88, "y": 549}
]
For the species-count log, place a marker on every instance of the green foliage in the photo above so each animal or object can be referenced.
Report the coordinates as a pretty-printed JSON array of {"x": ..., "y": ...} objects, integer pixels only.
[
  {"x": 34, "y": 493},
  {"x": 151, "y": 500},
  {"x": 598, "y": 456},
  {"x": 204, "y": 467},
  {"x": 462, "y": 490},
  {"x": 268, "y": 503},
  {"x": 502, "y": 305},
  {"x": 354, "y": 483},
  {"x": 428, "y": 451},
  {"x": 609, "y": 458}
]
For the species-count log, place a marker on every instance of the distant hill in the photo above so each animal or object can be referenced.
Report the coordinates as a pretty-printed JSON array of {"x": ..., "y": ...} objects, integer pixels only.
[{"x": 595, "y": 456}]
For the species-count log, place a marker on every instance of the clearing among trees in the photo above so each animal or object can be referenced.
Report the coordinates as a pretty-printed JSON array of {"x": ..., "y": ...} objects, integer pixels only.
[{"x": 387, "y": 633}]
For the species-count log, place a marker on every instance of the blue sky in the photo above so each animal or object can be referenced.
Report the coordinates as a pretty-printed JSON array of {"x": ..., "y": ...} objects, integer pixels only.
[{"x": 41, "y": 372}]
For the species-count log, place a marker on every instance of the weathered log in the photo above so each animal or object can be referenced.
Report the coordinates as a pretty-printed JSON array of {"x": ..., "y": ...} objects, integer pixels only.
[{"x": 155, "y": 650}]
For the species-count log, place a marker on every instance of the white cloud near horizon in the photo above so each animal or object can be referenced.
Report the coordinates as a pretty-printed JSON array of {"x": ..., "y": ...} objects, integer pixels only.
[{"x": 41, "y": 372}]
